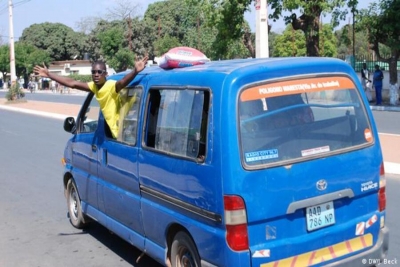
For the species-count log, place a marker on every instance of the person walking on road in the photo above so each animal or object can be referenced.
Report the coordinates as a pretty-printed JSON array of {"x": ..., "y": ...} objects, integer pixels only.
[
  {"x": 105, "y": 91},
  {"x": 377, "y": 83}
]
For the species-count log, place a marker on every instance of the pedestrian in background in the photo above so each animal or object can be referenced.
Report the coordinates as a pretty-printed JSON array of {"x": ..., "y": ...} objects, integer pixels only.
[
  {"x": 364, "y": 76},
  {"x": 365, "y": 81},
  {"x": 377, "y": 83}
]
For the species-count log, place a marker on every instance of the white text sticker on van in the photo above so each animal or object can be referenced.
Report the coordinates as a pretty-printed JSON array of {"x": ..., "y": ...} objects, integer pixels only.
[
  {"x": 290, "y": 87},
  {"x": 261, "y": 155},
  {"x": 315, "y": 150}
]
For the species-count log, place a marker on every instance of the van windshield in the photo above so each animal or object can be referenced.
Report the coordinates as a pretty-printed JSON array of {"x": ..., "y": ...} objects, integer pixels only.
[{"x": 289, "y": 121}]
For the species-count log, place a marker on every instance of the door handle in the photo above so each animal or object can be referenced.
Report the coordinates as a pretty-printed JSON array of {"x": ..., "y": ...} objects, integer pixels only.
[{"x": 94, "y": 148}]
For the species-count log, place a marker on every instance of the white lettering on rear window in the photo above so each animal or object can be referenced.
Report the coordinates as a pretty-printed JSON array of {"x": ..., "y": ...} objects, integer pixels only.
[
  {"x": 261, "y": 155},
  {"x": 316, "y": 150}
]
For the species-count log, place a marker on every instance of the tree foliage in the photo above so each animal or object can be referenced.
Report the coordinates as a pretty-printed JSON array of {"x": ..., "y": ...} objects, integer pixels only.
[
  {"x": 169, "y": 22},
  {"x": 292, "y": 43},
  {"x": 57, "y": 39},
  {"x": 26, "y": 57},
  {"x": 226, "y": 18},
  {"x": 112, "y": 40},
  {"x": 383, "y": 28},
  {"x": 190, "y": 23},
  {"x": 309, "y": 19},
  {"x": 122, "y": 60}
]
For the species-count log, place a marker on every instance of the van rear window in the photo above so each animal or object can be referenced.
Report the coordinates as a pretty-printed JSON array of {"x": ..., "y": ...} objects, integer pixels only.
[{"x": 288, "y": 121}]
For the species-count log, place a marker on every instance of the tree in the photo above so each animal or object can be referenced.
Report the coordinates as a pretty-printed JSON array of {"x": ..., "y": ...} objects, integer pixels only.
[
  {"x": 187, "y": 23},
  {"x": 290, "y": 43},
  {"x": 328, "y": 41},
  {"x": 4, "y": 60},
  {"x": 59, "y": 40},
  {"x": 87, "y": 25},
  {"x": 122, "y": 10},
  {"x": 309, "y": 21},
  {"x": 380, "y": 20},
  {"x": 162, "y": 45},
  {"x": 271, "y": 40},
  {"x": 122, "y": 60},
  {"x": 293, "y": 43},
  {"x": 112, "y": 40},
  {"x": 107, "y": 41},
  {"x": 26, "y": 56},
  {"x": 227, "y": 17},
  {"x": 169, "y": 23},
  {"x": 362, "y": 47}
]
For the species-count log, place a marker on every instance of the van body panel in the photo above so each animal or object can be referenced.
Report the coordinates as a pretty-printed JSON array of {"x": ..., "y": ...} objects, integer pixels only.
[{"x": 293, "y": 138}]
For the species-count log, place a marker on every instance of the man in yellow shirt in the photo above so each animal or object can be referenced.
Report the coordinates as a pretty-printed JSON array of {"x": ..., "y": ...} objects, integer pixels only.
[{"x": 105, "y": 91}]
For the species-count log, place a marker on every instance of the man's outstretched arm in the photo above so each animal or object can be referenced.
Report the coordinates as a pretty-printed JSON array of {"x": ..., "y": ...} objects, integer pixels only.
[
  {"x": 66, "y": 81},
  {"x": 139, "y": 66}
]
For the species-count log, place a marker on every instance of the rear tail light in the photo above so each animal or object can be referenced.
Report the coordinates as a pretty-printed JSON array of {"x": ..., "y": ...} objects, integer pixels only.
[
  {"x": 236, "y": 223},
  {"x": 382, "y": 189}
]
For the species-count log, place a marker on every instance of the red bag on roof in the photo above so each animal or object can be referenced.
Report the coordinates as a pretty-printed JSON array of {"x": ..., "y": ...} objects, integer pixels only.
[{"x": 180, "y": 57}]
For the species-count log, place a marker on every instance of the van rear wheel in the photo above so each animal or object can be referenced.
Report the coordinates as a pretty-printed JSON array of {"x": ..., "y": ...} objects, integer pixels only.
[
  {"x": 184, "y": 252},
  {"x": 76, "y": 217}
]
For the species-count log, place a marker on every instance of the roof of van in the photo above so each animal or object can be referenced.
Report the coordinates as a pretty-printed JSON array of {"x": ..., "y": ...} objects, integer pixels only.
[{"x": 229, "y": 66}]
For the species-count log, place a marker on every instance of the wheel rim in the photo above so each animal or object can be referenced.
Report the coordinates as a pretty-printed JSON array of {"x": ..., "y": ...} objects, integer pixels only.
[
  {"x": 184, "y": 258},
  {"x": 73, "y": 203}
]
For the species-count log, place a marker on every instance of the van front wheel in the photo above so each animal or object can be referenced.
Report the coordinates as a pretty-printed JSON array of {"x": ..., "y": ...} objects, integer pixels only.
[
  {"x": 184, "y": 252},
  {"x": 76, "y": 216}
]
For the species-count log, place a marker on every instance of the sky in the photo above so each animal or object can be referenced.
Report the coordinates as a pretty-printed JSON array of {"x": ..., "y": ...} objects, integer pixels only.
[{"x": 69, "y": 12}]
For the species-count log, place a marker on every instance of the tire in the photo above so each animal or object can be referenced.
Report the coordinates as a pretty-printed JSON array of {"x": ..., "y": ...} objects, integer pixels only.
[
  {"x": 184, "y": 252},
  {"x": 76, "y": 217}
]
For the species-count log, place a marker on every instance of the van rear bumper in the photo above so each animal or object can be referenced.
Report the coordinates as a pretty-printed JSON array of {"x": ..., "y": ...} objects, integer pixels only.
[{"x": 371, "y": 257}]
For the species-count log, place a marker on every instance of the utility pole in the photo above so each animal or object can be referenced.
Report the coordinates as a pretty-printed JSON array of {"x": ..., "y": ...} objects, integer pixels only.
[
  {"x": 12, "y": 53},
  {"x": 262, "y": 49}
]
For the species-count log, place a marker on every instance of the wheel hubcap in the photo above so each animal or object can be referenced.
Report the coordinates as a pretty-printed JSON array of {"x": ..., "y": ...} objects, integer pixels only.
[
  {"x": 186, "y": 259},
  {"x": 73, "y": 203}
]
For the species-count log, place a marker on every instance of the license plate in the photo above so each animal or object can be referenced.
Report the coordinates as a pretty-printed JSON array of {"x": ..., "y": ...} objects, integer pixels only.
[{"x": 319, "y": 216}]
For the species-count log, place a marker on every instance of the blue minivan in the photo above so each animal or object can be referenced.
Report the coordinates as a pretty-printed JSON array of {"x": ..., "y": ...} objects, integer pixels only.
[{"x": 248, "y": 162}]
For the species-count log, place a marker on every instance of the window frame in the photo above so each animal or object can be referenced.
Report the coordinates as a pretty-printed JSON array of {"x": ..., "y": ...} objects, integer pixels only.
[
  {"x": 204, "y": 121},
  {"x": 130, "y": 92},
  {"x": 358, "y": 111}
]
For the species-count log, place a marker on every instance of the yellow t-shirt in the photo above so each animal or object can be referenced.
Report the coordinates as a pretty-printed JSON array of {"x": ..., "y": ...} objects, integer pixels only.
[{"x": 110, "y": 103}]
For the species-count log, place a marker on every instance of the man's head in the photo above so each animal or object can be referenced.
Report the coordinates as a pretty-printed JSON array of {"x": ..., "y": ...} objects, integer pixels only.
[
  {"x": 377, "y": 67},
  {"x": 364, "y": 65},
  {"x": 99, "y": 73}
]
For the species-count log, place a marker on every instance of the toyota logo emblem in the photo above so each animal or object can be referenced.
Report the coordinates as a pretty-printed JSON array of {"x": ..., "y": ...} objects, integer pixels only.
[{"x": 322, "y": 184}]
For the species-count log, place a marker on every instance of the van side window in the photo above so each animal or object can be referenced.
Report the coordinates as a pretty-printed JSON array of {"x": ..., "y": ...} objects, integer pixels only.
[
  {"x": 90, "y": 119},
  {"x": 177, "y": 122},
  {"x": 128, "y": 115}
]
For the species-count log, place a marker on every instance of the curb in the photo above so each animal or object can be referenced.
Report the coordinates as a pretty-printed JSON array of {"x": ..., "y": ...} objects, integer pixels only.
[
  {"x": 36, "y": 112},
  {"x": 392, "y": 168},
  {"x": 385, "y": 108},
  {"x": 71, "y": 92}
]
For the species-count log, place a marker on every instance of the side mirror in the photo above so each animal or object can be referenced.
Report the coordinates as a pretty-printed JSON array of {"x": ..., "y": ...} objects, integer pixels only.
[{"x": 70, "y": 125}]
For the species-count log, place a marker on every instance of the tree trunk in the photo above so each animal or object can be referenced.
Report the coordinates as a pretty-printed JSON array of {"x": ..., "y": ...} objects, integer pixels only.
[
  {"x": 310, "y": 26},
  {"x": 249, "y": 44},
  {"x": 393, "y": 87},
  {"x": 393, "y": 68}
]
